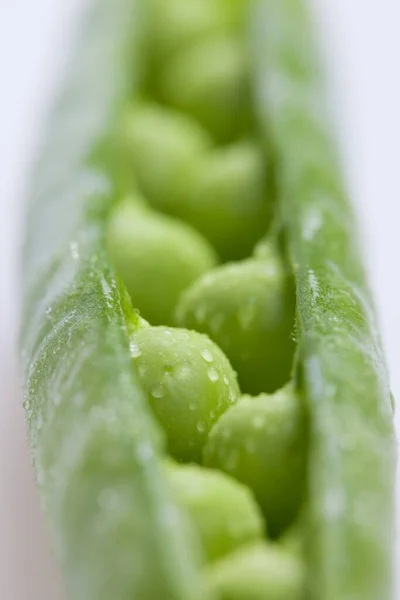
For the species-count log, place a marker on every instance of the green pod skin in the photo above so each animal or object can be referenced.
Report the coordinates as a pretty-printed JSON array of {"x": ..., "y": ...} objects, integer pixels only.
[
  {"x": 247, "y": 308},
  {"x": 157, "y": 257},
  {"x": 257, "y": 572},
  {"x": 116, "y": 530},
  {"x": 352, "y": 465},
  {"x": 224, "y": 512},
  {"x": 262, "y": 442},
  {"x": 163, "y": 147},
  {"x": 189, "y": 383},
  {"x": 210, "y": 81},
  {"x": 229, "y": 200}
]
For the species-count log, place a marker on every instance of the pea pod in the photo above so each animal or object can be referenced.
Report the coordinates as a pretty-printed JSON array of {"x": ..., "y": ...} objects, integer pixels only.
[
  {"x": 343, "y": 370},
  {"x": 116, "y": 529},
  {"x": 107, "y": 395}
]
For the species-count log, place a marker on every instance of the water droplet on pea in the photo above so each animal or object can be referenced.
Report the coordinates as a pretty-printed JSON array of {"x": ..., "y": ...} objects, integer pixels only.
[
  {"x": 158, "y": 391},
  {"x": 207, "y": 355},
  {"x": 134, "y": 350},
  {"x": 201, "y": 426},
  {"x": 168, "y": 369},
  {"x": 213, "y": 374}
]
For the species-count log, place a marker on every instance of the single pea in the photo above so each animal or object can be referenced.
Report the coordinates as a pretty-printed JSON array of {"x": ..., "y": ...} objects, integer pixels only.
[
  {"x": 177, "y": 24},
  {"x": 247, "y": 308},
  {"x": 223, "y": 511},
  {"x": 163, "y": 146},
  {"x": 189, "y": 382},
  {"x": 258, "y": 572},
  {"x": 229, "y": 200},
  {"x": 262, "y": 442},
  {"x": 210, "y": 82},
  {"x": 157, "y": 257}
]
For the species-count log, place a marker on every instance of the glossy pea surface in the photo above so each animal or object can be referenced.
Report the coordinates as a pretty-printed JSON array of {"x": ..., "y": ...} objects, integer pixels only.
[
  {"x": 210, "y": 82},
  {"x": 189, "y": 383},
  {"x": 259, "y": 572},
  {"x": 157, "y": 257},
  {"x": 230, "y": 200},
  {"x": 164, "y": 146},
  {"x": 262, "y": 442},
  {"x": 223, "y": 511},
  {"x": 247, "y": 308}
]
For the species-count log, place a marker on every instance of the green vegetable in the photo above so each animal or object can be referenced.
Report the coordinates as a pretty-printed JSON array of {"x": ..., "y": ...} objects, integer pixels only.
[
  {"x": 164, "y": 146},
  {"x": 189, "y": 382},
  {"x": 247, "y": 308},
  {"x": 224, "y": 512},
  {"x": 229, "y": 200},
  {"x": 157, "y": 257},
  {"x": 107, "y": 395},
  {"x": 210, "y": 82},
  {"x": 262, "y": 442},
  {"x": 258, "y": 572},
  {"x": 176, "y": 24},
  {"x": 342, "y": 368}
]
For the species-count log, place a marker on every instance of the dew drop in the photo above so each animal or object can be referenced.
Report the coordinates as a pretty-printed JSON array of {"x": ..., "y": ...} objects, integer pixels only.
[
  {"x": 201, "y": 426},
  {"x": 134, "y": 350},
  {"x": 168, "y": 369},
  {"x": 213, "y": 374},
  {"x": 207, "y": 355},
  {"x": 26, "y": 405},
  {"x": 226, "y": 380},
  {"x": 192, "y": 405},
  {"x": 158, "y": 391},
  {"x": 182, "y": 335}
]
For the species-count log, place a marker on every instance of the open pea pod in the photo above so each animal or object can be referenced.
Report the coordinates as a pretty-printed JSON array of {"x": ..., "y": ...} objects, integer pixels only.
[
  {"x": 351, "y": 465},
  {"x": 96, "y": 446}
]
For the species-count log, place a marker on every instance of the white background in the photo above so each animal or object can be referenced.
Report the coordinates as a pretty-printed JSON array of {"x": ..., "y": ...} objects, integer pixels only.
[{"x": 363, "y": 42}]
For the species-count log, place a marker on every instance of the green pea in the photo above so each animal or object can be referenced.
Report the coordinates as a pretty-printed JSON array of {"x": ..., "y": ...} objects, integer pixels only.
[
  {"x": 210, "y": 82},
  {"x": 157, "y": 258},
  {"x": 163, "y": 146},
  {"x": 189, "y": 382},
  {"x": 258, "y": 572},
  {"x": 247, "y": 308},
  {"x": 262, "y": 442},
  {"x": 177, "y": 24},
  {"x": 228, "y": 202},
  {"x": 223, "y": 511}
]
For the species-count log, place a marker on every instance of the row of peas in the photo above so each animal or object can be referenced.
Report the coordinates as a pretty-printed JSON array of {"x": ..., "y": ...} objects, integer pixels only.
[{"x": 214, "y": 349}]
